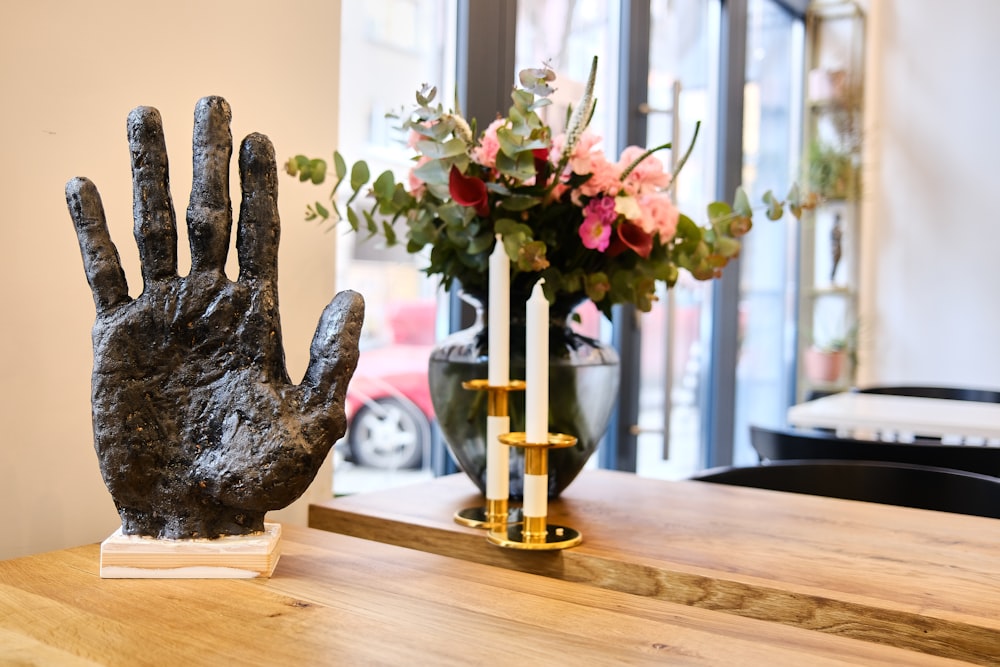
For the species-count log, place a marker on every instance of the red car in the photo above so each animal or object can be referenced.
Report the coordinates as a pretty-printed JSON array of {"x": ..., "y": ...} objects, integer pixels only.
[{"x": 388, "y": 405}]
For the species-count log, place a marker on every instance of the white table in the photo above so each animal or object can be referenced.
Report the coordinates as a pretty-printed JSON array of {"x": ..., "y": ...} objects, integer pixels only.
[{"x": 968, "y": 422}]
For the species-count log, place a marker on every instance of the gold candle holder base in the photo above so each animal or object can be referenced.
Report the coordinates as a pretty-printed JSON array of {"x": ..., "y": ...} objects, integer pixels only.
[
  {"x": 478, "y": 517},
  {"x": 534, "y": 533},
  {"x": 495, "y": 514},
  {"x": 555, "y": 537}
]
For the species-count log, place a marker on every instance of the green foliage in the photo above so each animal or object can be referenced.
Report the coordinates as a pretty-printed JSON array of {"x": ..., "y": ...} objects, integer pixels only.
[
  {"x": 511, "y": 181},
  {"x": 832, "y": 174}
]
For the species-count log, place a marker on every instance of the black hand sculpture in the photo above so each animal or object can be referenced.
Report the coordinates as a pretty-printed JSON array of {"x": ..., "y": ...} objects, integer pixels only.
[{"x": 197, "y": 426}]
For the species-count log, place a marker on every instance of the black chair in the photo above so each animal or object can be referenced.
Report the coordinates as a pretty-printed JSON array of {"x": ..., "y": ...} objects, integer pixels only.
[
  {"x": 953, "y": 393},
  {"x": 923, "y": 487},
  {"x": 788, "y": 443},
  {"x": 921, "y": 391}
]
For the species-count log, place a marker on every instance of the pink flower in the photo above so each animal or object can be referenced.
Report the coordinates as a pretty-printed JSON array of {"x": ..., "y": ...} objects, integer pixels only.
[
  {"x": 658, "y": 215},
  {"x": 598, "y": 216},
  {"x": 416, "y": 184},
  {"x": 486, "y": 152},
  {"x": 581, "y": 159},
  {"x": 415, "y": 137},
  {"x": 647, "y": 176},
  {"x": 603, "y": 179},
  {"x": 588, "y": 159}
]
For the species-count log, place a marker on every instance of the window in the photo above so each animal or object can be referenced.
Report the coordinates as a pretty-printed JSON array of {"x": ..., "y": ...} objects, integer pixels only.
[
  {"x": 711, "y": 358},
  {"x": 390, "y": 436}
]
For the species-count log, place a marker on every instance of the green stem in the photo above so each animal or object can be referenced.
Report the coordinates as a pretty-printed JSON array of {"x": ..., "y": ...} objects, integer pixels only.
[
  {"x": 684, "y": 159},
  {"x": 635, "y": 163}
]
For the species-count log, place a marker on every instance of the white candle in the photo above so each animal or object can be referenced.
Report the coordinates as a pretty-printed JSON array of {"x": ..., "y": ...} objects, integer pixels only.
[
  {"x": 536, "y": 373},
  {"x": 499, "y": 317},
  {"x": 497, "y": 459},
  {"x": 497, "y": 453},
  {"x": 536, "y": 495}
]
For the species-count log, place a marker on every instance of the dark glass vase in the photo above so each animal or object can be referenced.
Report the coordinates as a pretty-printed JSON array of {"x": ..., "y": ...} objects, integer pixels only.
[{"x": 583, "y": 386}]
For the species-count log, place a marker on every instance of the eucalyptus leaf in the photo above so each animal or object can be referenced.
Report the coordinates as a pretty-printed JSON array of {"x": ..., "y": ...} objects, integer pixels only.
[
  {"x": 339, "y": 165},
  {"x": 359, "y": 175},
  {"x": 728, "y": 247},
  {"x": 389, "y": 233},
  {"x": 509, "y": 227},
  {"x": 775, "y": 209},
  {"x": 437, "y": 150},
  {"x": 719, "y": 211},
  {"x": 690, "y": 233},
  {"x": 540, "y": 103},
  {"x": 481, "y": 243},
  {"x": 520, "y": 202},
  {"x": 513, "y": 144},
  {"x": 433, "y": 172},
  {"x": 426, "y": 95},
  {"x": 352, "y": 219},
  {"x": 536, "y": 81},
  {"x": 741, "y": 203},
  {"x": 384, "y": 185},
  {"x": 371, "y": 223},
  {"x": 522, "y": 167},
  {"x": 318, "y": 169}
]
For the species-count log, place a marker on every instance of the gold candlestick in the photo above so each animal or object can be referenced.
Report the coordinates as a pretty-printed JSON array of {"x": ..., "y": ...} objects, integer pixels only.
[
  {"x": 495, "y": 514},
  {"x": 535, "y": 533}
]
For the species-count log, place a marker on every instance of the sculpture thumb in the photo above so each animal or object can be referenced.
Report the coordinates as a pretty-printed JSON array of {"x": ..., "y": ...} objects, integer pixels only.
[{"x": 333, "y": 354}]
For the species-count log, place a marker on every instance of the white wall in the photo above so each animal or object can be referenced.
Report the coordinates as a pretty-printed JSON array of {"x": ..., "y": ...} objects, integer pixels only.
[
  {"x": 69, "y": 74},
  {"x": 931, "y": 283}
]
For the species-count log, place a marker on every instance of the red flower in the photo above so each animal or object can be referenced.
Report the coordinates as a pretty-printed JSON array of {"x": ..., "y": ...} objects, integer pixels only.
[
  {"x": 541, "y": 156},
  {"x": 631, "y": 236},
  {"x": 468, "y": 191}
]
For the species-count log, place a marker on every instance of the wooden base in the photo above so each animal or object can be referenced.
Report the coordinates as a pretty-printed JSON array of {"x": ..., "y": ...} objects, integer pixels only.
[{"x": 231, "y": 557}]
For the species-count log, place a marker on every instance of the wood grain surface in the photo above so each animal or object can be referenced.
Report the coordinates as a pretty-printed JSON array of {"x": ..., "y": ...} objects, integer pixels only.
[
  {"x": 338, "y": 600},
  {"x": 921, "y": 580}
]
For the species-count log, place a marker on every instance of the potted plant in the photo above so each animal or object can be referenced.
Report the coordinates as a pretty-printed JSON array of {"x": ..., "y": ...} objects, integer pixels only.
[
  {"x": 832, "y": 173},
  {"x": 826, "y": 358},
  {"x": 824, "y": 362}
]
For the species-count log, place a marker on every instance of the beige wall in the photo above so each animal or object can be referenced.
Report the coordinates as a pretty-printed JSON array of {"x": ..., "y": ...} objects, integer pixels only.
[
  {"x": 931, "y": 273},
  {"x": 69, "y": 74}
]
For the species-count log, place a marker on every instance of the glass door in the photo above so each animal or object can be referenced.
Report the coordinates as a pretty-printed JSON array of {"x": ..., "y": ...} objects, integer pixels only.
[
  {"x": 772, "y": 123},
  {"x": 678, "y": 49},
  {"x": 683, "y": 89},
  {"x": 678, "y": 431},
  {"x": 391, "y": 427}
]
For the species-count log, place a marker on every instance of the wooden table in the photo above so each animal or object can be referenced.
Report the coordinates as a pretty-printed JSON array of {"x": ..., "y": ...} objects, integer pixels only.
[
  {"x": 929, "y": 417},
  {"x": 916, "y": 579},
  {"x": 339, "y": 600}
]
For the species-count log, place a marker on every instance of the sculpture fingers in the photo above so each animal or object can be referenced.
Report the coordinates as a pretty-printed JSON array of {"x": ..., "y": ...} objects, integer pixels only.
[
  {"x": 259, "y": 227},
  {"x": 333, "y": 355},
  {"x": 152, "y": 207},
  {"x": 210, "y": 210},
  {"x": 100, "y": 256}
]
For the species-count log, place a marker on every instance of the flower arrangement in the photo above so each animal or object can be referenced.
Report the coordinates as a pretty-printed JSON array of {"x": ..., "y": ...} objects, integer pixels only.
[{"x": 591, "y": 226}]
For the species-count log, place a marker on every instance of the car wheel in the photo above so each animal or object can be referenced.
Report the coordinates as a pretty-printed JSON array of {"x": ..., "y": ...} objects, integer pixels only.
[{"x": 388, "y": 433}]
